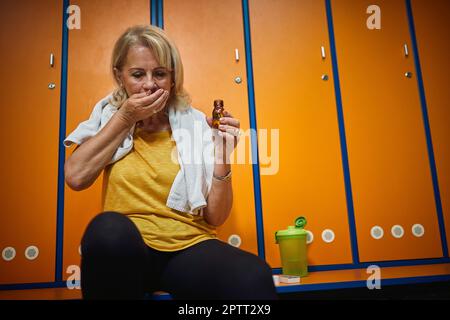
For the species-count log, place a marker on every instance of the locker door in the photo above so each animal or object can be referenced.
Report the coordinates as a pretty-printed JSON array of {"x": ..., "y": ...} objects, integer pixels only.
[
  {"x": 29, "y": 114},
  {"x": 207, "y": 32},
  {"x": 89, "y": 80},
  {"x": 432, "y": 32},
  {"x": 389, "y": 168},
  {"x": 291, "y": 97}
]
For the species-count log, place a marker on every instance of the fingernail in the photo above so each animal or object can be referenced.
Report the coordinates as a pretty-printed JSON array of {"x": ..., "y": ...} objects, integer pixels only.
[
  {"x": 222, "y": 120},
  {"x": 221, "y": 127}
]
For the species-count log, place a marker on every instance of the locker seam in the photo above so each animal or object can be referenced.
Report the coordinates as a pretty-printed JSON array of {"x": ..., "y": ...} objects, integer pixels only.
[
  {"x": 153, "y": 13},
  {"x": 157, "y": 13},
  {"x": 61, "y": 151},
  {"x": 253, "y": 127}
]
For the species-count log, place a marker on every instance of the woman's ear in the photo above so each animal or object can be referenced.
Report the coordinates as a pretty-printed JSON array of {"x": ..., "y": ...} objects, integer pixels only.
[{"x": 118, "y": 76}]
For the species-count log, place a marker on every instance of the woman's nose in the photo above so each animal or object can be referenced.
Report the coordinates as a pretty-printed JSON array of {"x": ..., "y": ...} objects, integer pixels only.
[{"x": 150, "y": 84}]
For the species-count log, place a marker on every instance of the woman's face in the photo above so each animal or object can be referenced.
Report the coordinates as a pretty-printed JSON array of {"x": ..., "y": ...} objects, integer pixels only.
[{"x": 142, "y": 72}]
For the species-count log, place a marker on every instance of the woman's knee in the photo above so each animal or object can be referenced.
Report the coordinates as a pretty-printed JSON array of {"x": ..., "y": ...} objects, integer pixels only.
[
  {"x": 255, "y": 279},
  {"x": 109, "y": 231},
  {"x": 113, "y": 258},
  {"x": 259, "y": 271}
]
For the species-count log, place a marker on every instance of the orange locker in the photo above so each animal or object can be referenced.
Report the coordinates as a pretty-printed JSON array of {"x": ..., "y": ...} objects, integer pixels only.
[
  {"x": 393, "y": 197},
  {"x": 29, "y": 117},
  {"x": 294, "y": 94},
  {"x": 89, "y": 80},
  {"x": 209, "y": 35},
  {"x": 432, "y": 33}
]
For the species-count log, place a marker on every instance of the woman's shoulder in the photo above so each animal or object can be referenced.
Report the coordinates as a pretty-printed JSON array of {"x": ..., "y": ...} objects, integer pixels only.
[
  {"x": 198, "y": 114},
  {"x": 195, "y": 111}
]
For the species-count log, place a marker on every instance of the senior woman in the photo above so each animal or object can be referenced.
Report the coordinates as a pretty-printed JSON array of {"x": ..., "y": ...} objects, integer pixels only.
[{"x": 157, "y": 231}]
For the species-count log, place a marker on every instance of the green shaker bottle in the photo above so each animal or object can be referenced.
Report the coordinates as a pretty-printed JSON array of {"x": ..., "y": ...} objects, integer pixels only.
[{"x": 292, "y": 242}]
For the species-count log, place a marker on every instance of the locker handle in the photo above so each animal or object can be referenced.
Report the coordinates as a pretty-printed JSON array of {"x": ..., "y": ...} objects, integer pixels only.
[
  {"x": 236, "y": 54},
  {"x": 322, "y": 50},
  {"x": 52, "y": 60},
  {"x": 405, "y": 48}
]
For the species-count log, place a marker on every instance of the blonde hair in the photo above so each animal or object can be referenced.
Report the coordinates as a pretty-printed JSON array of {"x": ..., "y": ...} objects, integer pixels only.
[{"x": 166, "y": 53}]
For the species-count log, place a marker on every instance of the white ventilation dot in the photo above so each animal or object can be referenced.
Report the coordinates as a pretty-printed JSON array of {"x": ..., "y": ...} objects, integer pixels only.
[
  {"x": 31, "y": 252},
  {"x": 8, "y": 253},
  {"x": 377, "y": 232},
  {"x": 328, "y": 235},
  {"x": 309, "y": 237},
  {"x": 418, "y": 230},
  {"x": 235, "y": 240},
  {"x": 397, "y": 231}
]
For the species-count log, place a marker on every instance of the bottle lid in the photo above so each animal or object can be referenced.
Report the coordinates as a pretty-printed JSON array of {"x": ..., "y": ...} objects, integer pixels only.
[
  {"x": 292, "y": 231},
  {"x": 218, "y": 103},
  {"x": 300, "y": 222}
]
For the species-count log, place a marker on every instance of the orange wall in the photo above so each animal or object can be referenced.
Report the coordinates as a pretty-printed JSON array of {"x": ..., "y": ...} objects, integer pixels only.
[
  {"x": 29, "y": 116},
  {"x": 388, "y": 160},
  {"x": 432, "y": 32},
  {"x": 292, "y": 97},
  {"x": 89, "y": 80},
  {"x": 208, "y": 51}
]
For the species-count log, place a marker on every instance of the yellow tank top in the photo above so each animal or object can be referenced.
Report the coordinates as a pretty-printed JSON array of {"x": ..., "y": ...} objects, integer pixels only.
[{"x": 138, "y": 186}]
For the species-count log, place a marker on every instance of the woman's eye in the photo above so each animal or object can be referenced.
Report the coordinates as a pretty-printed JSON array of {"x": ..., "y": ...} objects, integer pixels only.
[
  {"x": 160, "y": 74},
  {"x": 137, "y": 75}
]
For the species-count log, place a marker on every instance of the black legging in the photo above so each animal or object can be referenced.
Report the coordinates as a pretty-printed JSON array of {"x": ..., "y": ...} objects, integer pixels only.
[{"x": 117, "y": 264}]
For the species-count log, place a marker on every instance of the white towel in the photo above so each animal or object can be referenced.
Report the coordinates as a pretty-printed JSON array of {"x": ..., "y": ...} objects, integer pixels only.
[{"x": 193, "y": 138}]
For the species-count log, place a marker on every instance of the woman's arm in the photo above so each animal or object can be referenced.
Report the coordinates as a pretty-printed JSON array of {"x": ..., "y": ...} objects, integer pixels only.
[
  {"x": 87, "y": 161},
  {"x": 220, "y": 199}
]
